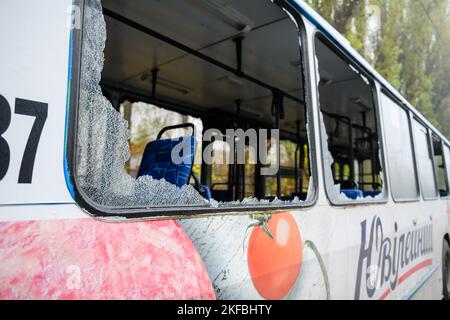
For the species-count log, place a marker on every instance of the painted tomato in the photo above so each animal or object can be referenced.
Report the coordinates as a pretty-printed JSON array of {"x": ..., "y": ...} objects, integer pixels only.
[
  {"x": 274, "y": 264},
  {"x": 89, "y": 259}
]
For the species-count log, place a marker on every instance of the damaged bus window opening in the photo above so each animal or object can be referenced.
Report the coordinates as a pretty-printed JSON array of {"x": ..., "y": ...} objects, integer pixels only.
[
  {"x": 440, "y": 165},
  {"x": 350, "y": 140},
  {"x": 157, "y": 74}
]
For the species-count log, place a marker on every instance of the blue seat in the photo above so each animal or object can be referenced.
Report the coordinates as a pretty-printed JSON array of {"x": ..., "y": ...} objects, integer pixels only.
[
  {"x": 204, "y": 191},
  {"x": 201, "y": 188},
  {"x": 157, "y": 161},
  {"x": 352, "y": 193},
  {"x": 372, "y": 194}
]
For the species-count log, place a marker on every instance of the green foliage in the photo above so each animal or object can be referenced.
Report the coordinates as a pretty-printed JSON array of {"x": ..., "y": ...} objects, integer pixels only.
[{"x": 409, "y": 45}]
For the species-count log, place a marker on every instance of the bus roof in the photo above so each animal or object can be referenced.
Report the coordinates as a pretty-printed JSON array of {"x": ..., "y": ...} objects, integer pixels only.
[{"x": 341, "y": 42}]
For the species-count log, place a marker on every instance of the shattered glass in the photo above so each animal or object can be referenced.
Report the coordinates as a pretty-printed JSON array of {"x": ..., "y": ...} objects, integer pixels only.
[
  {"x": 103, "y": 141},
  {"x": 334, "y": 190},
  {"x": 252, "y": 201},
  {"x": 103, "y": 135}
]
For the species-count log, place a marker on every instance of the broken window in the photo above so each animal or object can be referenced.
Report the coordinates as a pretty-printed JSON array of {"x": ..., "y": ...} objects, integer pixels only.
[
  {"x": 350, "y": 137},
  {"x": 400, "y": 156},
  {"x": 157, "y": 76},
  {"x": 440, "y": 165}
]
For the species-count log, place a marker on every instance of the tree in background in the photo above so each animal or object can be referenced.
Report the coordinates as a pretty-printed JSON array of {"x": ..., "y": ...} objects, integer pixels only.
[
  {"x": 438, "y": 63},
  {"x": 407, "y": 41}
]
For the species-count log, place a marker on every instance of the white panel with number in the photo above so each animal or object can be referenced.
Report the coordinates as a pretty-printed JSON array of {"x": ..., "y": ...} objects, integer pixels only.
[{"x": 34, "y": 57}]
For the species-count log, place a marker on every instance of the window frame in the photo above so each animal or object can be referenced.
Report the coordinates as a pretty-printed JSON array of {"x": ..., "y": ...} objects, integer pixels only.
[
  {"x": 317, "y": 34},
  {"x": 180, "y": 211},
  {"x": 431, "y": 155},
  {"x": 444, "y": 161},
  {"x": 413, "y": 146}
]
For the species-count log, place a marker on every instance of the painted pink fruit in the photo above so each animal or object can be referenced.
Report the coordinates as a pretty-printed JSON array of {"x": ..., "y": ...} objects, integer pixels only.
[{"x": 88, "y": 259}]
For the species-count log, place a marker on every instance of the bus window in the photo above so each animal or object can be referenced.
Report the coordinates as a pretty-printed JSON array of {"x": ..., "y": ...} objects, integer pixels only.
[
  {"x": 403, "y": 180},
  {"x": 440, "y": 166},
  {"x": 424, "y": 161},
  {"x": 221, "y": 188},
  {"x": 350, "y": 138},
  {"x": 188, "y": 71},
  {"x": 294, "y": 172}
]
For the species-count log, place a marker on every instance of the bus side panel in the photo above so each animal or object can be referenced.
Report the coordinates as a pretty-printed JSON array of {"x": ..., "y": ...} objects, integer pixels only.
[
  {"x": 398, "y": 247},
  {"x": 34, "y": 64},
  {"x": 55, "y": 251},
  {"x": 304, "y": 257},
  {"x": 89, "y": 259}
]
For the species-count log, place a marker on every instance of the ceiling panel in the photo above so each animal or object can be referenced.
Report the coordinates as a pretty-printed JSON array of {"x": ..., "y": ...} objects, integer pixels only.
[{"x": 270, "y": 54}]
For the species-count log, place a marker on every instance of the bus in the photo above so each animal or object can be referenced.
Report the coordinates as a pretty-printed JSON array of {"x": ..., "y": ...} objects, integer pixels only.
[{"x": 210, "y": 149}]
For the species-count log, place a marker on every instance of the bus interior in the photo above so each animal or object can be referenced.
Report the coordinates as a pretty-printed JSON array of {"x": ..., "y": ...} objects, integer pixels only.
[
  {"x": 180, "y": 69},
  {"x": 213, "y": 64},
  {"x": 347, "y": 106}
]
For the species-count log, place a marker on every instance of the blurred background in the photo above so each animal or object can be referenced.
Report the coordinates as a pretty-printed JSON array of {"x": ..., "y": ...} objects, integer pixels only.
[{"x": 407, "y": 41}]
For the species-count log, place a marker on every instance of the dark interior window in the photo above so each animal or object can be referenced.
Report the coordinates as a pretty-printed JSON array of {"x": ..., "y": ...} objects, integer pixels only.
[
  {"x": 350, "y": 120},
  {"x": 440, "y": 165}
]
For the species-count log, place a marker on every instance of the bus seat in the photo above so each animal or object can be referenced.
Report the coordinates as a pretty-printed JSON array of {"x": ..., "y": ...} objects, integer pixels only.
[
  {"x": 352, "y": 193},
  {"x": 157, "y": 161},
  {"x": 372, "y": 194},
  {"x": 201, "y": 188},
  {"x": 204, "y": 191}
]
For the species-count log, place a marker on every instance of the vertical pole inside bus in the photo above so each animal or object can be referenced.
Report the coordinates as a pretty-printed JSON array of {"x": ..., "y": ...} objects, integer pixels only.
[{"x": 278, "y": 112}]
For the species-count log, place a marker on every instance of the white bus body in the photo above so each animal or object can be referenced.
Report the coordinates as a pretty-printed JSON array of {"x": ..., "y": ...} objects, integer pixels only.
[{"x": 50, "y": 248}]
